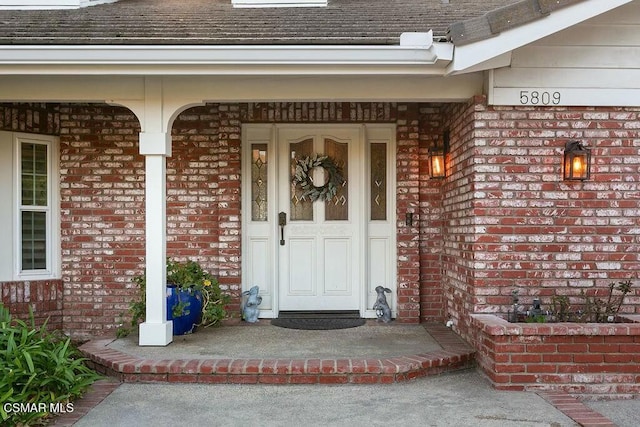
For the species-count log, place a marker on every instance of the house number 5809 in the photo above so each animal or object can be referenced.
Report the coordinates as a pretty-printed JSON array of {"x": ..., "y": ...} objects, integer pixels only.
[{"x": 534, "y": 97}]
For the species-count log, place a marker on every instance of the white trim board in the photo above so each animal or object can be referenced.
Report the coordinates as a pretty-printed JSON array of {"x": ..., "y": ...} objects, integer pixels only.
[{"x": 430, "y": 58}]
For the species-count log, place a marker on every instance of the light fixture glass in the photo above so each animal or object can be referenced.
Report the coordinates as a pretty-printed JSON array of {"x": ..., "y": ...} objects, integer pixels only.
[
  {"x": 577, "y": 161},
  {"x": 436, "y": 164}
]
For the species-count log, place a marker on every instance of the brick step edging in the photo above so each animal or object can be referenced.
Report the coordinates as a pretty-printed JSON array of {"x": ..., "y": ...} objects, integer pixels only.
[{"x": 454, "y": 355}]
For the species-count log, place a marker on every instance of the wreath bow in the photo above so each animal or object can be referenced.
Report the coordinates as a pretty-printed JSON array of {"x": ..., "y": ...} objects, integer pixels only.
[{"x": 302, "y": 178}]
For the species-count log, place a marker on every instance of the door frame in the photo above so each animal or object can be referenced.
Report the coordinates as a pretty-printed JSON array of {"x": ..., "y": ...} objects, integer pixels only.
[
  {"x": 351, "y": 230},
  {"x": 260, "y": 239}
]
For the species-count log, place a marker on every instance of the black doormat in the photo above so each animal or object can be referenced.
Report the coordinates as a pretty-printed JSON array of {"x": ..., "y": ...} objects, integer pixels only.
[{"x": 317, "y": 324}]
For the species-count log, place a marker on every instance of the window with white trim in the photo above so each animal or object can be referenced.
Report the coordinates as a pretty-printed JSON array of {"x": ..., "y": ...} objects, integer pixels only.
[
  {"x": 35, "y": 206},
  {"x": 35, "y": 209}
]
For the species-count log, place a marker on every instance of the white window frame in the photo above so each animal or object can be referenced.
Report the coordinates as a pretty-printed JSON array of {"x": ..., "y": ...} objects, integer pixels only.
[{"x": 52, "y": 209}]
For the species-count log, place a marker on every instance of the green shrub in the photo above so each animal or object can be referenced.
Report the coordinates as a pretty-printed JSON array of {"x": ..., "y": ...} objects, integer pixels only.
[{"x": 37, "y": 368}]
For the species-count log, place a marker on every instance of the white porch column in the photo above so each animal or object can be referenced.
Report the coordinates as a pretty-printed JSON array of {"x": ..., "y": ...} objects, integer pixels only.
[{"x": 156, "y": 330}]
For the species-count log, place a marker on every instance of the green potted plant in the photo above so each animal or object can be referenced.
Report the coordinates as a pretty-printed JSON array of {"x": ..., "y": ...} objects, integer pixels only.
[
  {"x": 198, "y": 295},
  {"x": 194, "y": 298}
]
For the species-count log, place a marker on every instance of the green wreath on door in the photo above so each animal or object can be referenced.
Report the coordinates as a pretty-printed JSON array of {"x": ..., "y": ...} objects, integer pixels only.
[{"x": 302, "y": 177}]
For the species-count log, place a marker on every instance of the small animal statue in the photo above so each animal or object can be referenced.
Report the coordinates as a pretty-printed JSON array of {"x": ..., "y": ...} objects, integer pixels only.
[
  {"x": 250, "y": 310},
  {"x": 381, "y": 306}
]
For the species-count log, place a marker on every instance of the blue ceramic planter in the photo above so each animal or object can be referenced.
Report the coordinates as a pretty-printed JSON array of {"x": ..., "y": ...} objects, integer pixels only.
[{"x": 184, "y": 324}]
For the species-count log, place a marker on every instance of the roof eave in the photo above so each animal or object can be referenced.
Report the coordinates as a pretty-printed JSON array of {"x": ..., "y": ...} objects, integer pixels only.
[
  {"x": 247, "y": 59},
  {"x": 494, "y": 51}
]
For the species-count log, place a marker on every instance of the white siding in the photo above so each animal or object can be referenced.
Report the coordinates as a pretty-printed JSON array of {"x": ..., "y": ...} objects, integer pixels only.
[{"x": 593, "y": 63}]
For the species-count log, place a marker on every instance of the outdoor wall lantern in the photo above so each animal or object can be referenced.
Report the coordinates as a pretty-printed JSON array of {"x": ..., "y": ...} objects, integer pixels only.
[
  {"x": 577, "y": 161},
  {"x": 436, "y": 164},
  {"x": 437, "y": 157}
]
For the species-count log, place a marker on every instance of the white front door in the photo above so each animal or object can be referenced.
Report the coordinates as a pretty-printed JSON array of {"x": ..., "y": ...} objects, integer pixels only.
[
  {"x": 334, "y": 253},
  {"x": 321, "y": 248}
]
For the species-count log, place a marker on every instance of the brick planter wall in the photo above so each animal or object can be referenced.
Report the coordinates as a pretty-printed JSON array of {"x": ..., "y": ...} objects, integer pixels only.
[
  {"x": 44, "y": 297},
  {"x": 577, "y": 358}
]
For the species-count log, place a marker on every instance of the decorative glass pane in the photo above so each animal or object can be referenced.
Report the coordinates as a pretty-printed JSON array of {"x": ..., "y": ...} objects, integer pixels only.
[
  {"x": 378, "y": 181},
  {"x": 34, "y": 180},
  {"x": 34, "y": 240},
  {"x": 337, "y": 209},
  {"x": 301, "y": 206},
  {"x": 259, "y": 182}
]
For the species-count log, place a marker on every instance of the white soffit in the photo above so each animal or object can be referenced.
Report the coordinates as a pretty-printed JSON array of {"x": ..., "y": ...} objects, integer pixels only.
[{"x": 480, "y": 55}]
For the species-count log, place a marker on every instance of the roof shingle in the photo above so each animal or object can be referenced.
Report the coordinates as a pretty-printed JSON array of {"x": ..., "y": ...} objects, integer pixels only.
[{"x": 216, "y": 22}]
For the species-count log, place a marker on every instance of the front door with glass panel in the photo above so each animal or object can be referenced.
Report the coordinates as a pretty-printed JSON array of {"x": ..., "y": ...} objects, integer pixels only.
[{"x": 321, "y": 256}]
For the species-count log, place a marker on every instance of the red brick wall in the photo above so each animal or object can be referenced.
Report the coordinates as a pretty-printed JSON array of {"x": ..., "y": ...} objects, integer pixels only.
[
  {"x": 102, "y": 181},
  {"x": 102, "y": 215},
  {"x": 30, "y": 118},
  {"x": 228, "y": 195},
  {"x": 576, "y": 358},
  {"x": 43, "y": 297},
  {"x": 540, "y": 234},
  {"x": 408, "y": 200},
  {"x": 457, "y": 206},
  {"x": 512, "y": 222},
  {"x": 431, "y": 218}
]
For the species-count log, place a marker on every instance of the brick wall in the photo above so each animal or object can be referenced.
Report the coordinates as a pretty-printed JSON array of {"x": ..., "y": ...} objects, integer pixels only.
[
  {"x": 42, "y": 297},
  {"x": 228, "y": 194},
  {"x": 540, "y": 234},
  {"x": 431, "y": 217},
  {"x": 512, "y": 222},
  {"x": 457, "y": 205},
  {"x": 408, "y": 200},
  {"x": 102, "y": 215},
  {"x": 103, "y": 227},
  {"x": 576, "y": 358},
  {"x": 30, "y": 118}
]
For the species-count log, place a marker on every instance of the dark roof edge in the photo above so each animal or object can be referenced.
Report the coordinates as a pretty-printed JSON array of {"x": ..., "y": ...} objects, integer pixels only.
[{"x": 494, "y": 22}]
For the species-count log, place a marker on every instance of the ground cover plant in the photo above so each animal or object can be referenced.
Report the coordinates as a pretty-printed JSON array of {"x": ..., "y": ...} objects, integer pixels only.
[
  {"x": 41, "y": 372},
  {"x": 600, "y": 307}
]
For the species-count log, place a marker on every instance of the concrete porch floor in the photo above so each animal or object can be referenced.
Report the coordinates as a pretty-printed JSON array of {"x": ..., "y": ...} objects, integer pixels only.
[{"x": 262, "y": 353}]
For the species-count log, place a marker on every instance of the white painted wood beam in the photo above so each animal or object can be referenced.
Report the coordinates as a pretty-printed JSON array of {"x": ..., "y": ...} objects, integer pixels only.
[
  {"x": 155, "y": 145},
  {"x": 156, "y": 329},
  {"x": 180, "y": 92}
]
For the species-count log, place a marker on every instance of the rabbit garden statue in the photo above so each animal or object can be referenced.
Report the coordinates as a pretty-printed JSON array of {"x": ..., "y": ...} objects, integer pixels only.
[
  {"x": 381, "y": 306},
  {"x": 250, "y": 310}
]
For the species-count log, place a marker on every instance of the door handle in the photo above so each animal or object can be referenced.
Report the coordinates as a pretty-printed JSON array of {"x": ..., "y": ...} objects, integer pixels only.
[{"x": 282, "y": 221}]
